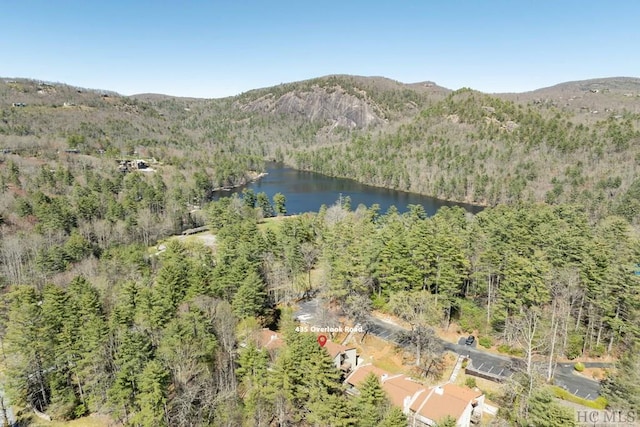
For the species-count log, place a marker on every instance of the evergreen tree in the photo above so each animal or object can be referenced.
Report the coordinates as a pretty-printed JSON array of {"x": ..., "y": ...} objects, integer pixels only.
[
  {"x": 545, "y": 411},
  {"x": 304, "y": 378},
  {"x": 249, "y": 198},
  {"x": 447, "y": 421},
  {"x": 171, "y": 285},
  {"x": 88, "y": 329},
  {"x": 29, "y": 350},
  {"x": 262, "y": 201},
  {"x": 622, "y": 388},
  {"x": 279, "y": 204},
  {"x": 133, "y": 352},
  {"x": 394, "y": 418},
  {"x": 200, "y": 272},
  {"x": 152, "y": 397},
  {"x": 188, "y": 350},
  {"x": 253, "y": 375},
  {"x": 250, "y": 299},
  {"x": 332, "y": 410},
  {"x": 396, "y": 270},
  {"x": 372, "y": 403}
]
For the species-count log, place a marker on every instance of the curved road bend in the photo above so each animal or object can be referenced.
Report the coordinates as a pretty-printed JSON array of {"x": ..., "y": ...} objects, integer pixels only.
[{"x": 483, "y": 361}]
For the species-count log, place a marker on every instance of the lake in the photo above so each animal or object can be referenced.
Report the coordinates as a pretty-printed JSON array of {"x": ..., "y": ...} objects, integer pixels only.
[{"x": 307, "y": 191}]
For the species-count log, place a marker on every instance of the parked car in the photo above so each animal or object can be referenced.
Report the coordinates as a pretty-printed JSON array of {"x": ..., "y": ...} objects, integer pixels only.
[{"x": 470, "y": 340}]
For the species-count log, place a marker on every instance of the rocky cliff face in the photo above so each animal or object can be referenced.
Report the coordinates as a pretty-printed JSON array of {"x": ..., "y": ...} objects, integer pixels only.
[{"x": 332, "y": 105}]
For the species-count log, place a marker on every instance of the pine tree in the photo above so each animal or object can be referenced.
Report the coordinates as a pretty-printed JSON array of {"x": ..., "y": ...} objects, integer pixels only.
[
  {"x": 133, "y": 352},
  {"x": 394, "y": 418},
  {"x": 249, "y": 198},
  {"x": 304, "y": 377},
  {"x": 170, "y": 288},
  {"x": 186, "y": 340},
  {"x": 545, "y": 411},
  {"x": 28, "y": 349},
  {"x": 250, "y": 299},
  {"x": 333, "y": 410},
  {"x": 200, "y": 272},
  {"x": 447, "y": 421},
  {"x": 262, "y": 201},
  {"x": 88, "y": 327},
  {"x": 396, "y": 269},
  {"x": 622, "y": 389},
  {"x": 152, "y": 397},
  {"x": 372, "y": 402},
  {"x": 253, "y": 375},
  {"x": 279, "y": 204}
]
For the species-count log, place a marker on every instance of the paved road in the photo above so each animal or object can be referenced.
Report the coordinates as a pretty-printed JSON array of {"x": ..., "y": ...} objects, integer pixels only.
[
  {"x": 566, "y": 377},
  {"x": 499, "y": 366},
  {"x": 491, "y": 364}
]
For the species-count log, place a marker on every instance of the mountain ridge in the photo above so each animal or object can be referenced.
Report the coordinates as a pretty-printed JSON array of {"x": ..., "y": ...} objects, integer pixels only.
[
  {"x": 374, "y": 79},
  {"x": 573, "y": 142}
]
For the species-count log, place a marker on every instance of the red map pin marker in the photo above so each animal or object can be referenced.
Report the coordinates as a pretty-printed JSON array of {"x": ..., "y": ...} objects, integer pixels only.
[{"x": 322, "y": 340}]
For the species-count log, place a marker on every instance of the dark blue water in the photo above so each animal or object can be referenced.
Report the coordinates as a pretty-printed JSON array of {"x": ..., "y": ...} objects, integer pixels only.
[{"x": 307, "y": 191}]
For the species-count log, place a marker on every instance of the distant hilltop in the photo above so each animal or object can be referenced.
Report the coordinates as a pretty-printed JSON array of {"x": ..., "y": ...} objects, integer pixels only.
[{"x": 561, "y": 143}]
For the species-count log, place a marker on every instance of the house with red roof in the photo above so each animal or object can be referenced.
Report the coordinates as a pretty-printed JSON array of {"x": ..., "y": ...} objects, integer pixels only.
[
  {"x": 424, "y": 406},
  {"x": 270, "y": 340},
  {"x": 344, "y": 358}
]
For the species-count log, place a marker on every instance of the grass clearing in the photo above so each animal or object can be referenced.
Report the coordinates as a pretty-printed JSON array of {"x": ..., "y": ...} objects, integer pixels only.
[
  {"x": 205, "y": 238},
  {"x": 272, "y": 224},
  {"x": 380, "y": 353}
]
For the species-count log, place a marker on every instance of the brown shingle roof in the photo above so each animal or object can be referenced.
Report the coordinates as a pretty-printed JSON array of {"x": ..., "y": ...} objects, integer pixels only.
[
  {"x": 434, "y": 403},
  {"x": 269, "y": 339},
  {"x": 400, "y": 388},
  {"x": 335, "y": 349},
  {"x": 361, "y": 373},
  {"x": 446, "y": 400},
  {"x": 465, "y": 393}
]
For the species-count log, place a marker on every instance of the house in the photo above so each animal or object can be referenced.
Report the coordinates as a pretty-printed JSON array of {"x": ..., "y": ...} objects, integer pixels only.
[
  {"x": 270, "y": 340},
  {"x": 424, "y": 406},
  {"x": 401, "y": 390},
  {"x": 464, "y": 404},
  {"x": 344, "y": 358},
  {"x": 133, "y": 165},
  {"x": 358, "y": 376}
]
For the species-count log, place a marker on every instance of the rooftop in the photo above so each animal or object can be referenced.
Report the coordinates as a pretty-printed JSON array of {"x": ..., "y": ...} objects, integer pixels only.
[
  {"x": 335, "y": 349},
  {"x": 433, "y": 403},
  {"x": 269, "y": 339},
  {"x": 359, "y": 375},
  {"x": 448, "y": 399}
]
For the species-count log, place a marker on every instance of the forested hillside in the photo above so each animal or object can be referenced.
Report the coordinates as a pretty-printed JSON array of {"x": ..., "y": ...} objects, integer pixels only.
[
  {"x": 575, "y": 142},
  {"x": 167, "y": 340},
  {"x": 100, "y": 313}
]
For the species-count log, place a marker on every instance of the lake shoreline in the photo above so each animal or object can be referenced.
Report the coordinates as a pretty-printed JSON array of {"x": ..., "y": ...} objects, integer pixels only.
[
  {"x": 253, "y": 177},
  {"x": 464, "y": 202},
  {"x": 307, "y": 191}
]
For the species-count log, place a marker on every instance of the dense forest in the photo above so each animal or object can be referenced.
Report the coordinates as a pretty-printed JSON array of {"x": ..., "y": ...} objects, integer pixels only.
[
  {"x": 101, "y": 312},
  {"x": 166, "y": 340},
  {"x": 574, "y": 143}
]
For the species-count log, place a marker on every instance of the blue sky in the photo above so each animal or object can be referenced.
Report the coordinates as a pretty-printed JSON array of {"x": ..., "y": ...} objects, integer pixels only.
[{"x": 220, "y": 48}]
